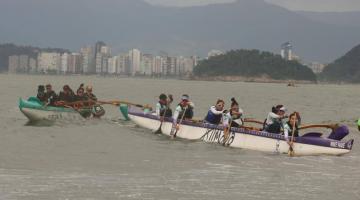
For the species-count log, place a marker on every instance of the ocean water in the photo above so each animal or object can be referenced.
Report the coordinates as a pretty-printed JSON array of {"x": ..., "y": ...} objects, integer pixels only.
[{"x": 110, "y": 158}]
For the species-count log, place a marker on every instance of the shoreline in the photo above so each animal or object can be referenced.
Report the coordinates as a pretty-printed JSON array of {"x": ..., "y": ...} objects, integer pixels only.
[{"x": 196, "y": 78}]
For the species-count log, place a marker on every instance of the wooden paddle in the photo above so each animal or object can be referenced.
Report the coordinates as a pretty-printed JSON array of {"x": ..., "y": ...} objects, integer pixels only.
[
  {"x": 291, "y": 148},
  {"x": 117, "y": 103},
  {"x": 178, "y": 124},
  {"x": 162, "y": 118},
  {"x": 330, "y": 126},
  {"x": 253, "y": 121},
  {"x": 79, "y": 104},
  {"x": 227, "y": 129}
]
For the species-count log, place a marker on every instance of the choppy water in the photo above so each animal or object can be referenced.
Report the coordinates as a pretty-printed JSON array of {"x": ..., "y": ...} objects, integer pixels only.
[{"x": 113, "y": 159}]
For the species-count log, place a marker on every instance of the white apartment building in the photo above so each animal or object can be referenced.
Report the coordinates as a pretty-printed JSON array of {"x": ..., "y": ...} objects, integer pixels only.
[
  {"x": 49, "y": 62},
  {"x": 135, "y": 60}
]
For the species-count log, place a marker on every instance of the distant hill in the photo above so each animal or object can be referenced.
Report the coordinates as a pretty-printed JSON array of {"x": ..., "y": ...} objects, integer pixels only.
[
  {"x": 7, "y": 50},
  {"x": 344, "y": 19},
  {"x": 126, "y": 24},
  {"x": 253, "y": 63},
  {"x": 344, "y": 69}
]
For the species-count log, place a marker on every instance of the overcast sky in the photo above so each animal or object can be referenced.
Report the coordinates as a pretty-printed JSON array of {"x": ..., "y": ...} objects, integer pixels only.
[{"x": 308, "y": 5}]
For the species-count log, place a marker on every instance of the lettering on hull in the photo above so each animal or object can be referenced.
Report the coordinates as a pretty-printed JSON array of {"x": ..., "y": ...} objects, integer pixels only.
[{"x": 217, "y": 136}]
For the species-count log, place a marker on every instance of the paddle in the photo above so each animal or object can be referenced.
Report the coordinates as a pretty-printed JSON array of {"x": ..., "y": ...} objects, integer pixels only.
[
  {"x": 117, "y": 103},
  {"x": 178, "y": 124},
  {"x": 330, "y": 126},
  {"x": 162, "y": 118},
  {"x": 253, "y": 121},
  {"x": 291, "y": 149},
  {"x": 227, "y": 129}
]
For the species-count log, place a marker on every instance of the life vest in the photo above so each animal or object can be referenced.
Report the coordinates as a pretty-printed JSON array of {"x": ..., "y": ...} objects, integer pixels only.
[
  {"x": 296, "y": 132},
  {"x": 212, "y": 118},
  {"x": 236, "y": 120},
  {"x": 165, "y": 110},
  {"x": 188, "y": 114}
]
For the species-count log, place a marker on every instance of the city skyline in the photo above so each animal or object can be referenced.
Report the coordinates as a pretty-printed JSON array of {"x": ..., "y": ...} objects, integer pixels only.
[
  {"x": 126, "y": 24},
  {"x": 99, "y": 59}
]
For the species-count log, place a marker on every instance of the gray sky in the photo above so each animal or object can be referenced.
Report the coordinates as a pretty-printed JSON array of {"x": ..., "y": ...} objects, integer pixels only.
[{"x": 308, "y": 5}]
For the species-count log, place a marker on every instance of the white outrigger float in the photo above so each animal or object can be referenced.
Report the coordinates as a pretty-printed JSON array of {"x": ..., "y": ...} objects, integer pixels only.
[{"x": 308, "y": 144}]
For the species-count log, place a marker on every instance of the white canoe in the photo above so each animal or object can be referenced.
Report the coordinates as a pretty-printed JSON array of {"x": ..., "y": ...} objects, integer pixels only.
[{"x": 309, "y": 144}]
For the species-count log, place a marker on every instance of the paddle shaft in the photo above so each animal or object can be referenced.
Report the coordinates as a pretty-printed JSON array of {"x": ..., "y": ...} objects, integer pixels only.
[
  {"x": 291, "y": 149},
  {"x": 181, "y": 119},
  {"x": 116, "y": 102},
  {"x": 227, "y": 129},
  {"x": 162, "y": 118},
  {"x": 331, "y": 126}
]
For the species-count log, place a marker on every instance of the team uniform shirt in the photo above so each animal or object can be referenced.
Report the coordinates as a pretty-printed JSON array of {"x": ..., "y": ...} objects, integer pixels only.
[
  {"x": 214, "y": 116},
  {"x": 179, "y": 110},
  {"x": 228, "y": 118},
  {"x": 288, "y": 131}
]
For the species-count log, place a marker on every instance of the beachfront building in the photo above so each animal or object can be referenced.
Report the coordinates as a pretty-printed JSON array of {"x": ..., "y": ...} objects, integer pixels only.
[
  {"x": 49, "y": 62},
  {"x": 112, "y": 65},
  {"x": 158, "y": 66},
  {"x": 13, "y": 64},
  {"x": 147, "y": 63},
  {"x": 135, "y": 60},
  {"x": 87, "y": 56}
]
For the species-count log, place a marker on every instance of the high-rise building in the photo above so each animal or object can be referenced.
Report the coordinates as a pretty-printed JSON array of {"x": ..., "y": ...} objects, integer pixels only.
[
  {"x": 13, "y": 64},
  {"x": 88, "y": 60},
  {"x": 105, "y": 50},
  {"x": 135, "y": 59},
  {"x": 74, "y": 64},
  {"x": 23, "y": 64},
  {"x": 32, "y": 65},
  {"x": 98, "y": 46},
  {"x": 123, "y": 64},
  {"x": 64, "y": 63},
  {"x": 186, "y": 66},
  {"x": 112, "y": 64},
  {"x": 171, "y": 66},
  {"x": 158, "y": 66},
  {"x": 49, "y": 62},
  {"x": 147, "y": 63},
  {"x": 286, "y": 51},
  {"x": 101, "y": 60}
]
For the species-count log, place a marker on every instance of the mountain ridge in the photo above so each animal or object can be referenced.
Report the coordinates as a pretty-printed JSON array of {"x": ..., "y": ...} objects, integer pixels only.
[{"x": 126, "y": 24}]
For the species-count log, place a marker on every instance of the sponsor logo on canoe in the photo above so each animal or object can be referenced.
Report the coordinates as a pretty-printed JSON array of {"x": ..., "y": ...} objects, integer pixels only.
[
  {"x": 215, "y": 135},
  {"x": 55, "y": 116},
  {"x": 338, "y": 144}
]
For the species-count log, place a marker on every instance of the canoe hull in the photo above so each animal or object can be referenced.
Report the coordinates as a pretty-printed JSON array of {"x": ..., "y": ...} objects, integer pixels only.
[
  {"x": 35, "y": 115},
  {"x": 242, "y": 138},
  {"x": 35, "y": 111}
]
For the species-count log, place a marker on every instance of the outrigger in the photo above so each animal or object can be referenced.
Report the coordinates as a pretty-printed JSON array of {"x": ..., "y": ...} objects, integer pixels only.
[{"x": 311, "y": 143}]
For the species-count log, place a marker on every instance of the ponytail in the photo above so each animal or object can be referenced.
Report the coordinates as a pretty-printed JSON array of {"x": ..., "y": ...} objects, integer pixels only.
[{"x": 234, "y": 102}]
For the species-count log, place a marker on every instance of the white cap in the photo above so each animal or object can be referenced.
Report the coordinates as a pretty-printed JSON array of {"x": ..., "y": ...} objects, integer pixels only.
[
  {"x": 185, "y": 97},
  {"x": 283, "y": 109}
]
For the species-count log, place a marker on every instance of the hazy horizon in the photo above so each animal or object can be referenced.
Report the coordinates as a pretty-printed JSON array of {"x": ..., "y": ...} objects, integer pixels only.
[
  {"x": 295, "y": 5},
  {"x": 127, "y": 24}
]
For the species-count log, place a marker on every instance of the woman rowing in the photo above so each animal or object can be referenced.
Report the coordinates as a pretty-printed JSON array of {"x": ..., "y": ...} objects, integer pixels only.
[
  {"x": 290, "y": 127},
  {"x": 234, "y": 116},
  {"x": 163, "y": 106},
  {"x": 215, "y": 113},
  {"x": 89, "y": 94},
  {"x": 184, "y": 111},
  {"x": 273, "y": 122}
]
